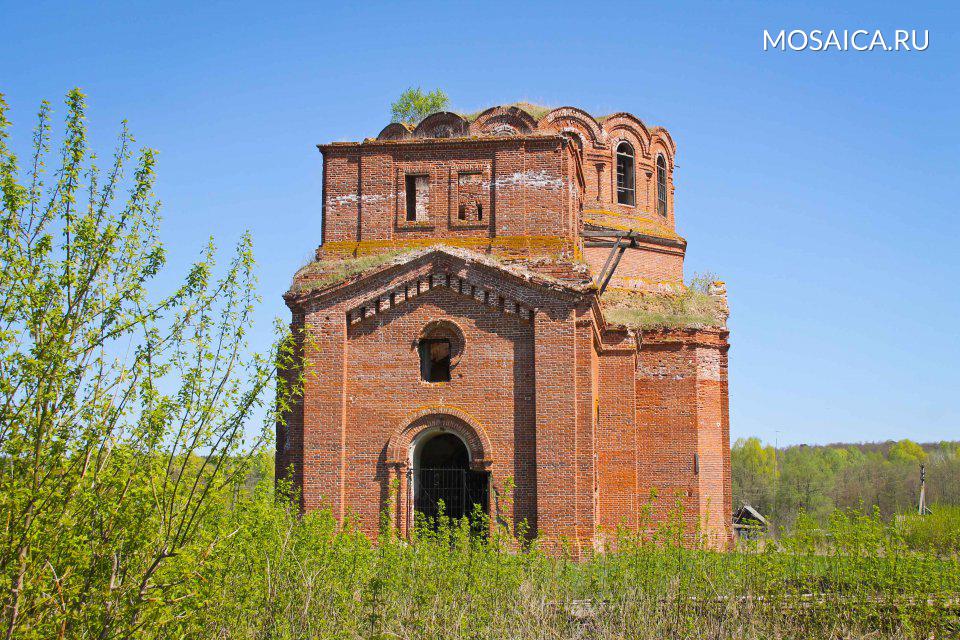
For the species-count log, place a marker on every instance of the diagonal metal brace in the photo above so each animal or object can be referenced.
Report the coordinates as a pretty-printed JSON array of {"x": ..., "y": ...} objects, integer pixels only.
[{"x": 610, "y": 266}]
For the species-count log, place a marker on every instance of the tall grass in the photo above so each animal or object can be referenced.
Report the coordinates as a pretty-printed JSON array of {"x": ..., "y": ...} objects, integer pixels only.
[{"x": 284, "y": 576}]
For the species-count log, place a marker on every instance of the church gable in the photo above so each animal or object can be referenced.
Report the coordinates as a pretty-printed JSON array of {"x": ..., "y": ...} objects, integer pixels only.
[{"x": 509, "y": 290}]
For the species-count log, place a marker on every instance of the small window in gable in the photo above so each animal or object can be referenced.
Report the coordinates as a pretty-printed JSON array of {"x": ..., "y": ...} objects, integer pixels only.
[
  {"x": 418, "y": 197},
  {"x": 626, "y": 178},
  {"x": 434, "y": 359},
  {"x": 661, "y": 186},
  {"x": 479, "y": 211}
]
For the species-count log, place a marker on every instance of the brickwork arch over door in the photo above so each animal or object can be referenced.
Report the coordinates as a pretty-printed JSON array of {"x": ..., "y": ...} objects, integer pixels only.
[
  {"x": 439, "y": 420},
  {"x": 408, "y": 440}
]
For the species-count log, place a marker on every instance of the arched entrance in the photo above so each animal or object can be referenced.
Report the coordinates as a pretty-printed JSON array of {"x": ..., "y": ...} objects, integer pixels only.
[{"x": 442, "y": 473}]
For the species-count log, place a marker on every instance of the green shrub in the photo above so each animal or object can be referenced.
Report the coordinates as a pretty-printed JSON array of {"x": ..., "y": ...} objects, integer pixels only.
[
  {"x": 693, "y": 307},
  {"x": 938, "y": 531}
]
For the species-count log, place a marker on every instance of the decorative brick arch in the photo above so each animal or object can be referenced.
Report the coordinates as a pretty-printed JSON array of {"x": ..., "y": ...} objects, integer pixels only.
[
  {"x": 660, "y": 137},
  {"x": 564, "y": 118},
  {"x": 498, "y": 120},
  {"x": 442, "y": 419},
  {"x": 396, "y": 131},
  {"x": 443, "y": 124},
  {"x": 634, "y": 126}
]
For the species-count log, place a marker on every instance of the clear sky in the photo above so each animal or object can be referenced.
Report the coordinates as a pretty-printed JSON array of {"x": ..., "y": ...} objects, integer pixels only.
[{"x": 821, "y": 186}]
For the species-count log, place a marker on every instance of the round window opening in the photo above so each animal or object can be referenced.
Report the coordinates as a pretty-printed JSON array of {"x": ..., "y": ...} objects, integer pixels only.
[{"x": 440, "y": 346}]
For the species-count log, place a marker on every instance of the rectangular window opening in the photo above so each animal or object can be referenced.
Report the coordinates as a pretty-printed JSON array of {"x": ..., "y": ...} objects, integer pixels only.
[
  {"x": 434, "y": 359},
  {"x": 411, "y": 190}
]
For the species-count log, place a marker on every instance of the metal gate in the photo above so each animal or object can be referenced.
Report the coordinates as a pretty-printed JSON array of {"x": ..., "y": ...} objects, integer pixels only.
[{"x": 459, "y": 489}]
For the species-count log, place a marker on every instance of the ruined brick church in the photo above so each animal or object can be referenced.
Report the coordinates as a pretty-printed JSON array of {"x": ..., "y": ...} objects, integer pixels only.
[{"x": 487, "y": 325}]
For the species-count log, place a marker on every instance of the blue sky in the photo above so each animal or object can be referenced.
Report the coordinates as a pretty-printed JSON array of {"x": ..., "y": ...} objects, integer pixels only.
[{"x": 821, "y": 186}]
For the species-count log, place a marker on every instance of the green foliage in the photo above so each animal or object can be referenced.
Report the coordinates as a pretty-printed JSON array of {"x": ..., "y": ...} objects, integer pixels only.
[
  {"x": 819, "y": 479},
  {"x": 754, "y": 467},
  {"x": 132, "y": 508},
  {"x": 121, "y": 416},
  {"x": 693, "y": 307},
  {"x": 414, "y": 105},
  {"x": 938, "y": 531},
  {"x": 906, "y": 451},
  {"x": 281, "y": 576}
]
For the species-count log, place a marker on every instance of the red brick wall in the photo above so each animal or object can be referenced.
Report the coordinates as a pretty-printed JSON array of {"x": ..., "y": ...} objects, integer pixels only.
[
  {"x": 589, "y": 424},
  {"x": 646, "y": 265},
  {"x": 527, "y": 187},
  {"x": 364, "y": 384},
  {"x": 617, "y": 439},
  {"x": 585, "y": 447},
  {"x": 384, "y": 388},
  {"x": 683, "y": 423}
]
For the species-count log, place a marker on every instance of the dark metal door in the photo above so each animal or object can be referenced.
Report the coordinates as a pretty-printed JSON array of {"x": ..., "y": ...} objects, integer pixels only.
[{"x": 459, "y": 489}]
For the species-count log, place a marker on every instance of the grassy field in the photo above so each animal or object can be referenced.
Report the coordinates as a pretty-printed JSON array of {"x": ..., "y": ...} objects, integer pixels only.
[{"x": 280, "y": 576}]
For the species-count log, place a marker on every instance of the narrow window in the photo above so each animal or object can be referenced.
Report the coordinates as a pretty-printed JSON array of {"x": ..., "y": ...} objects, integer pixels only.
[
  {"x": 434, "y": 359},
  {"x": 661, "y": 186},
  {"x": 479, "y": 211},
  {"x": 625, "y": 174},
  {"x": 418, "y": 197},
  {"x": 469, "y": 194},
  {"x": 411, "y": 187}
]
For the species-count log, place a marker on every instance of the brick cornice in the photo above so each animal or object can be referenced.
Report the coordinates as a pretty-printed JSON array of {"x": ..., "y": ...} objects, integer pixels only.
[
  {"x": 456, "y": 143},
  {"x": 706, "y": 337}
]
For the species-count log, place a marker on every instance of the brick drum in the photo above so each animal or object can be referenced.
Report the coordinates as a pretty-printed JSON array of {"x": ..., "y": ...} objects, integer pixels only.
[{"x": 493, "y": 231}]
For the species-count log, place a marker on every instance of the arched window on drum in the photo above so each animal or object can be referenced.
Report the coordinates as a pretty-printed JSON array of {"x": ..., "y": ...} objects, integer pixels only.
[
  {"x": 662, "y": 185},
  {"x": 626, "y": 174}
]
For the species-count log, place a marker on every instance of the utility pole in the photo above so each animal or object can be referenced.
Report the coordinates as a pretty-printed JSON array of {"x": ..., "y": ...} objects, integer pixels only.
[{"x": 922, "y": 506}]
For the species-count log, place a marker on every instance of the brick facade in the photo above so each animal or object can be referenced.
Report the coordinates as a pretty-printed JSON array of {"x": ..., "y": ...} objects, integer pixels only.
[{"x": 494, "y": 230}]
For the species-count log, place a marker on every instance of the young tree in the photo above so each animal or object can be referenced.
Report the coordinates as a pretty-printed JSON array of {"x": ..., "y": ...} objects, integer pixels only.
[
  {"x": 121, "y": 417},
  {"x": 413, "y": 105},
  {"x": 754, "y": 473}
]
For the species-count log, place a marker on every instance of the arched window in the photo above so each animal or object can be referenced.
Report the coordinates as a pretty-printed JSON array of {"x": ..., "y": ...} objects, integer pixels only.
[
  {"x": 625, "y": 174},
  {"x": 661, "y": 186}
]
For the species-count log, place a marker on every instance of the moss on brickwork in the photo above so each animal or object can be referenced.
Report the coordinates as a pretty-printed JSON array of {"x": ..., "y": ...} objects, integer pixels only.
[
  {"x": 540, "y": 245},
  {"x": 619, "y": 222},
  {"x": 689, "y": 307},
  {"x": 320, "y": 274}
]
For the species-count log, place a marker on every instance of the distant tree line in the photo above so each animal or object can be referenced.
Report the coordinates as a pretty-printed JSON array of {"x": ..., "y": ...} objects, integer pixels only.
[{"x": 780, "y": 483}]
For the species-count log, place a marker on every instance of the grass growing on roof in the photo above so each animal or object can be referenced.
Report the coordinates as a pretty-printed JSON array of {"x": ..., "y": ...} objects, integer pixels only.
[
  {"x": 536, "y": 111},
  {"x": 691, "y": 308},
  {"x": 320, "y": 274}
]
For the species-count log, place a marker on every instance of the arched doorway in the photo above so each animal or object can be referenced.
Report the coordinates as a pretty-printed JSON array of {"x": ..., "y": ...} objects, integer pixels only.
[{"x": 441, "y": 473}]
